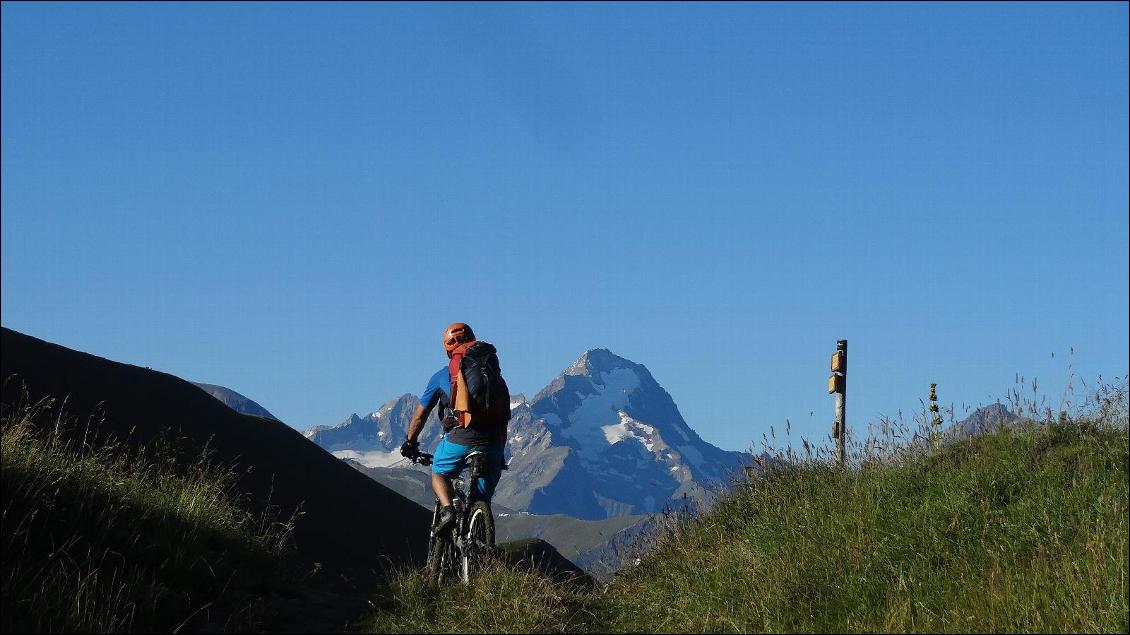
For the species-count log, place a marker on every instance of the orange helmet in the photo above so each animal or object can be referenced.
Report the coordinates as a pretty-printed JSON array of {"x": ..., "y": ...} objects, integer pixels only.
[{"x": 456, "y": 334}]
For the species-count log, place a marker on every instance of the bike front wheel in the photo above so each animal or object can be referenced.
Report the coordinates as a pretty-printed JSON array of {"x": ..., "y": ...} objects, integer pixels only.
[
  {"x": 443, "y": 560},
  {"x": 479, "y": 541}
]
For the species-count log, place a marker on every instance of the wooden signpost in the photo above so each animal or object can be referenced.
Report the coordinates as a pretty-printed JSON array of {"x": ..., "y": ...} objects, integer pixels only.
[{"x": 837, "y": 385}]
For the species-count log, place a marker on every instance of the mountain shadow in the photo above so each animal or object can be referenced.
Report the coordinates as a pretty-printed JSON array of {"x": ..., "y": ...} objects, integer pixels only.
[{"x": 351, "y": 526}]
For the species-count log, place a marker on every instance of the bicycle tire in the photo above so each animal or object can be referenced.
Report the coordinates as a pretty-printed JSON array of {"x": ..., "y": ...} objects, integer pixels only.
[
  {"x": 479, "y": 540},
  {"x": 442, "y": 563},
  {"x": 443, "y": 560}
]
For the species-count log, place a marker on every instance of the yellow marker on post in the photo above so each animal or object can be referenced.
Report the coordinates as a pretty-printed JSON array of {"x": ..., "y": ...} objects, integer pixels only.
[
  {"x": 835, "y": 384},
  {"x": 838, "y": 362}
]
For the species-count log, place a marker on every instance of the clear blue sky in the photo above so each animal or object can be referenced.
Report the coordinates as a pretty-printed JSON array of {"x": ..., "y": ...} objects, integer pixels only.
[{"x": 293, "y": 200}]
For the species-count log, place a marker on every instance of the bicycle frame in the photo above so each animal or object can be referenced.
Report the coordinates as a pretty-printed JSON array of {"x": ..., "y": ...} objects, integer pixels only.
[{"x": 464, "y": 499}]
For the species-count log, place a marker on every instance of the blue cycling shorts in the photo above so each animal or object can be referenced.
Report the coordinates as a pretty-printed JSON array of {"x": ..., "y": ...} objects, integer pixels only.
[{"x": 450, "y": 459}]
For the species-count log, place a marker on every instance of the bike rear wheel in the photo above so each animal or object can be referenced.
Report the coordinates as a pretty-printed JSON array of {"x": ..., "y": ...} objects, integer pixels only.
[{"x": 479, "y": 541}]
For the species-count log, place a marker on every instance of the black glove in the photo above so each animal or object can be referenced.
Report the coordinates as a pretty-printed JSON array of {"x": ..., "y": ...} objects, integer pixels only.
[{"x": 410, "y": 449}]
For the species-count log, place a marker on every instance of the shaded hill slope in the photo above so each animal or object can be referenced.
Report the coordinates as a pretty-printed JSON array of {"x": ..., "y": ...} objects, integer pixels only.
[
  {"x": 538, "y": 556},
  {"x": 350, "y": 524}
]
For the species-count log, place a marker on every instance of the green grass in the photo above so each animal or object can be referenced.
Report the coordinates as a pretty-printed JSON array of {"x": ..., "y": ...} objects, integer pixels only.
[
  {"x": 500, "y": 600},
  {"x": 1021, "y": 530},
  {"x": 113, "y": 539},
  {"x": 1016, "y": 531}
]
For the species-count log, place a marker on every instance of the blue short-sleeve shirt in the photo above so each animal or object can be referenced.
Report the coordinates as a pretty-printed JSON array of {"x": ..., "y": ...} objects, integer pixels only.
[{"x": 437, "y": 388}]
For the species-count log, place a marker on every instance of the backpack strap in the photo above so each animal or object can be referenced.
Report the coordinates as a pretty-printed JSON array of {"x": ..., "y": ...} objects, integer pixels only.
[{"x": 459, "y": 403}]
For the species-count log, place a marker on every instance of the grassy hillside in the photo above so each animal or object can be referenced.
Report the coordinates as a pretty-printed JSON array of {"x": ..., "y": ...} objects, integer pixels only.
[
  {"x": 1019, "y": 530},
  {"x": 105, "y": 538}
]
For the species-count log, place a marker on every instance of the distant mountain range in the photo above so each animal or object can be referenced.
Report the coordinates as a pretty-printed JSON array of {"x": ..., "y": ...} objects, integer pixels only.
[
  {"x": 235, "y": 401},
  {"x": 984, "y": 419},
  {"x": 603, "y": 439}
]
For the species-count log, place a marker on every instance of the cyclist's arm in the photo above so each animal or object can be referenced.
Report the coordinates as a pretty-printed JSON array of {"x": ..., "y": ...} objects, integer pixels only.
[
  {"x": 417, "y": 422},
  {"x": 432, "y": 395}
]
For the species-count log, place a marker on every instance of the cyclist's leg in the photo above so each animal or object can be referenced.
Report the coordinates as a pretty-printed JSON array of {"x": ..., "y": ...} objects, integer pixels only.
[
  {"x": 441, "y": 485},
  {"x": 448, "y": 461},
  {"x": 485, "y": 484}
]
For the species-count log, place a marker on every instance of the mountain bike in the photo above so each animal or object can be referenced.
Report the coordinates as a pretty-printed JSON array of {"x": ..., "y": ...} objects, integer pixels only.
[{"x": 458, "y": 553}]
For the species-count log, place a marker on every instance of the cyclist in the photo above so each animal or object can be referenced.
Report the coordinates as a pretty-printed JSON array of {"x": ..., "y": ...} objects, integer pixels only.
[{"x": 483, "y": 433}]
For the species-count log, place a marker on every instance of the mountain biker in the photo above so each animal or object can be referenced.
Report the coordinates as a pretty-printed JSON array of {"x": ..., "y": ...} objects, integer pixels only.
[{"x": 457, "y": 441}]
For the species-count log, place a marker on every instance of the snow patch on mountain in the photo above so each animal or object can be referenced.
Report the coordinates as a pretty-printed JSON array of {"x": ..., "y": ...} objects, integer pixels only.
[
  {"x": 601, "y": 408},
  {"x": 629, "y": 428},
  {"x": 372, "y": 459}
]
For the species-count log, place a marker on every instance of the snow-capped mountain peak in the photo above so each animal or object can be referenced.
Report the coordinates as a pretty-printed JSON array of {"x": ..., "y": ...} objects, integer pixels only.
[
  {"x": 621, "y": 434},
  {"x": 595, "y": 361}
]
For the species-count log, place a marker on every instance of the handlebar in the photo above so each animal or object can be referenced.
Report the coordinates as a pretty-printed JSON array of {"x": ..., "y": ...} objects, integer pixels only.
[{"x": 426, "y": 459}]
